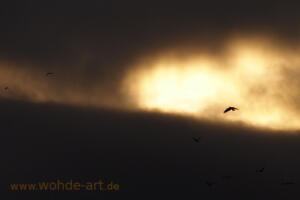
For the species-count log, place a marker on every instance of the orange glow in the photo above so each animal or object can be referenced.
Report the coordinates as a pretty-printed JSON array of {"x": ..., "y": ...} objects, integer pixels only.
[{"x": 247, "y": 77}]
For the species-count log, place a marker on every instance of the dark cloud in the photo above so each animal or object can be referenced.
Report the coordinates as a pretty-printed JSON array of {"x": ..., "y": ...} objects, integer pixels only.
[
  {"x": 116, "y": 31},
  {"x": 89, "y": 45},
  {"x": 144, "y": 152}
]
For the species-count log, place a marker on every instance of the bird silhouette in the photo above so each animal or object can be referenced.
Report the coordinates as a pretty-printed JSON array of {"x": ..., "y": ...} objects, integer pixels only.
[
  {"x": 260, "y": 170},
  {"x": 226, "y": 177},
  {"x": 49, "y": 73},
  {"x": 288, "y": 183},
  {"x": 209, "y": 184},
  {"x": 197, "y": 139},
  {"x": 230, "y": 108}
]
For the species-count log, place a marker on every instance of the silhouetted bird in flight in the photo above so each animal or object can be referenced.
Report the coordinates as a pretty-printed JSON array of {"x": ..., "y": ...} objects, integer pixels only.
[
  {"x": 230, "y": 108},
  {"x": 260, "y": 170},
  {"x": 49, "y": 73},
  {"x": 196, "y": 139},
  {"x": 288, "y": 183},
  {"x": 209, "y": 184},
  {"x": 226, "y": 177}
]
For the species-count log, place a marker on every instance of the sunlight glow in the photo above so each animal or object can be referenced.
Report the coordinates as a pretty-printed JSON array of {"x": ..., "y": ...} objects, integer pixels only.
[{"x": 203, "y": 87}]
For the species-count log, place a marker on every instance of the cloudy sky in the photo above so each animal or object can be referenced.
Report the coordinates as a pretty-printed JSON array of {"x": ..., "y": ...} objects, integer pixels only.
[{"x": 134, "y": 81}]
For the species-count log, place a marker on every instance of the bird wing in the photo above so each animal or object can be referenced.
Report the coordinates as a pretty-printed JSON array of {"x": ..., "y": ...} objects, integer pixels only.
[{"x": 227, "y": 109}]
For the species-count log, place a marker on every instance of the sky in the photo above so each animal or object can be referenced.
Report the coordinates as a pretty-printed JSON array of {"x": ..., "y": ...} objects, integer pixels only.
[{"x": 134, "y": 82}]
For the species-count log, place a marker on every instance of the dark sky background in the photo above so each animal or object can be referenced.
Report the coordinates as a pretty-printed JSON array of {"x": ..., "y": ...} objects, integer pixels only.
[{"x": 148, "y": 154}]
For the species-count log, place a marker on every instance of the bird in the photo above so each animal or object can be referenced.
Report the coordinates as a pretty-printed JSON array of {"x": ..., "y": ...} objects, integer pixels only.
[
  {"x": 226, "y": 177},
  {"x": 197, "y": 139},
  {"x": 209, "y": 184},
  {"x": 287, "y": 183},
  {"x": 49, "y": 73},
  {"x": 230, "y": 108},
  {"x": 6, "y": 88},
  {"x": 260, "y": 170}
]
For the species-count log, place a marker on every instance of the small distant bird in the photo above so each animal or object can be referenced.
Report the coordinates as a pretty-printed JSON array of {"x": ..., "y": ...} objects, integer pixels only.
[
  {"x": 226, "y": 177},
  {"x": 209, "y": 184},
  {"x": 230, "y": 108},
  {"x": 260, "y": 170},
  {"x": 197, "y": 139},
  {"x": 49, "y": 73},
  {"x": 6, "y": 88},
  {"x": 288, "y": 183}
]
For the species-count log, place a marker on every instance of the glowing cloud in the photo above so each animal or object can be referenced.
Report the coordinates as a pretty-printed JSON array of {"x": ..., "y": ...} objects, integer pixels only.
[
  {"x": 258, "y": 76},
  {"x": 249, "y": 77}
]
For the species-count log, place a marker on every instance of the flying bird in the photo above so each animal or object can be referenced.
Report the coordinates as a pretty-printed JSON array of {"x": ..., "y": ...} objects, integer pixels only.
[
  {"x": 287, "y": 183},
  {"x": 49, "y": 73},
  {"x": 230, "y": 108},
  {"x": 197, "y": 139},
  {"x": 209, "y": 184},
  {"x": 226, "y": 177},
  {"x": 260, "y": 170}
]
